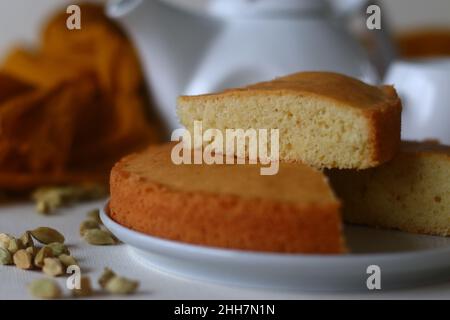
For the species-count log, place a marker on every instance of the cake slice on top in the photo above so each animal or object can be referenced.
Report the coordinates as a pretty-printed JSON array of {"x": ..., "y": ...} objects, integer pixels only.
[
  {"x": 410, "y": 193},
  {"x": 325, "y": 119},
  {"x": 228, "y": 206}
]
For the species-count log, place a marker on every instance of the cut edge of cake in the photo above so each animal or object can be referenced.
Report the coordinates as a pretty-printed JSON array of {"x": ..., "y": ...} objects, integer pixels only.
[
  {"x": 410, "y": 193},
  {"x": 324, "y": 131}
]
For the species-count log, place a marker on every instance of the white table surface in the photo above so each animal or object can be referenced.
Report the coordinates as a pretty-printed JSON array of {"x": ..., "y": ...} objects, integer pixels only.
[{"x": 16, "y": 218}]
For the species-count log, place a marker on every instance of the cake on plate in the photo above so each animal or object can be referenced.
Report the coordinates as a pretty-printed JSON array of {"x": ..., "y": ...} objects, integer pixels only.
[
  {"x": 326, "y": 120},
  {"x": 227, "y": 206},
  {"x": 410, "y": 193}
]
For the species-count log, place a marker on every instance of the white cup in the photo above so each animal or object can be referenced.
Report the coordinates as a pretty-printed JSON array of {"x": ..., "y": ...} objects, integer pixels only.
[{"x": 424, "y": 87}]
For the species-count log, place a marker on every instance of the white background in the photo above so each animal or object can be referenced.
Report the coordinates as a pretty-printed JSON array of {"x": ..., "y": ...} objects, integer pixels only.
[{"x": 20, "y": 20}]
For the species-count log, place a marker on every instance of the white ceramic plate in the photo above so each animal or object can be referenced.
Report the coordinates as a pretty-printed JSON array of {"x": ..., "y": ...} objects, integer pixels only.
[{"x": 404, "y": 260}]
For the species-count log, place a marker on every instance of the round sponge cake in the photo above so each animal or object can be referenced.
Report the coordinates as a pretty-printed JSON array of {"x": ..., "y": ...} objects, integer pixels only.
[{"x": 229, "y": 206}]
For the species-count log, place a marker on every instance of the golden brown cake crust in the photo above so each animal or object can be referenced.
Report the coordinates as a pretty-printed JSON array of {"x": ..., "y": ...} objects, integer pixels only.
[
  {"x": 410, "y": 193},
  {"x": 221, "y": 219},
  {"x": 386, "y": 128},
  {"x": 427, "y": 147},
  {"x": 328, "y": 85}
]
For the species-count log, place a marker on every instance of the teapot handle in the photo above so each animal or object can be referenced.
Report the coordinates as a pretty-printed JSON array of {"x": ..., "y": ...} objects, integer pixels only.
[
  {"x": 345, "y": 8},
  {"x": 119, "y": 8},
  {"x": 382, "y": 51}
]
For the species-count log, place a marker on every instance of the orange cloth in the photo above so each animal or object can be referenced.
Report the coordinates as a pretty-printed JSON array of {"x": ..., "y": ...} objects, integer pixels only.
[{"x": 71, "y": 109}]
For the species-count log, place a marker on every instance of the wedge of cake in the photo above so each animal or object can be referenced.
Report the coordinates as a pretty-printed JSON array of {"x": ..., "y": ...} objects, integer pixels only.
[
  {"x": 228, "y": 206},
  {"x": 326, "y": 120},
  {"x": 410, "y": 193}
]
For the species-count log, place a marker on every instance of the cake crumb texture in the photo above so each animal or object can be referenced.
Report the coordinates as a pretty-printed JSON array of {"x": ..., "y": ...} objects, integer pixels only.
[
  {"x": 410, "y": 193},
  {"x": 326, "y": 120}
]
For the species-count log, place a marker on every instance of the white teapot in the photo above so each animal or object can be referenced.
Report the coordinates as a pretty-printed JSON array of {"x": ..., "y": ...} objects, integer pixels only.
[
  {"x": 200, "y": 46},
  {"x": 424, "y": 87}
]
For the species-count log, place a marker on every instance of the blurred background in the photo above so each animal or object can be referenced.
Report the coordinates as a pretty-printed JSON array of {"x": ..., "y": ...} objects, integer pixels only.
[
  {"x": 73, "y": 102},
  {"x": 181, "y": 39},
  {"x": 20, "y": 23}
]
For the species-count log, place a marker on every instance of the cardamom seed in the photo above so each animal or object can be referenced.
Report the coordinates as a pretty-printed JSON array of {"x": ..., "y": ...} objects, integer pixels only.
[
  {"x": 58, "y": 248},
  {"x": 43, "y": 253},
  {"x": 5, "y": 257},
  {"x": 107, "y": 275},
  {"x": 53, "y": 267},
  {"x": 94, "y": 215},
  {"x": 43, "y": 207},
  {"x": 27, "y": 240},
  {"x": 48, "y": 199},
  {"x": 88, "y": 225},
  {"x": 14, "y": 245},
  {"x": 47, "y": 235},
  {"x": 23, "y": 259},
  {"x": 121, "y": 285},
  {"x": 67, "y": 260},
  {"x": 85, "y": 288},
  {"x": 92, "y": 191},
  {"x": 98, "y": 237},
  {"x": 116, "y": 240},
  {"x": 4, "y": 240},
  {"x": 32, "y": 250},
  {"x": 45, "y": 289}
]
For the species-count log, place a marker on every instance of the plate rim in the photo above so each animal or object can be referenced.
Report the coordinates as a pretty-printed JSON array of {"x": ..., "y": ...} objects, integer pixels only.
[
  {"x": 168, "y": 255},
  {"x": 179, "y": 246}
]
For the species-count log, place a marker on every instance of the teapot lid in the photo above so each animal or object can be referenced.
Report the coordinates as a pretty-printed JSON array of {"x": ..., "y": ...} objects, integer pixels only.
[
  {"x": 250, "y": 8},
  {"x": 228, "y": 8}
]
